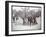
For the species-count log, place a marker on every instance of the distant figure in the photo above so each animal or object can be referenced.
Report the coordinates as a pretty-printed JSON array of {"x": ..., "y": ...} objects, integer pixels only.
[
  {"x": 34, "y": 18},
  {"x": 30, "y": 19}
]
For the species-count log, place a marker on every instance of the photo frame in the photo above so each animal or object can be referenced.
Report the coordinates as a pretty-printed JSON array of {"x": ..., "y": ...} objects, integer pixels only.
[{"x": 24, "y": 18}]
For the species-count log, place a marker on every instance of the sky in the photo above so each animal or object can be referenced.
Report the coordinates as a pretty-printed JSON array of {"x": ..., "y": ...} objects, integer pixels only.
[{"x": 22, "y": 8}]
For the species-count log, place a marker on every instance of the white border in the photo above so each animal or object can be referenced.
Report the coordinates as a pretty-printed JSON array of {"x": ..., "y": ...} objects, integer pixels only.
[{"x": 24, "y": 32}]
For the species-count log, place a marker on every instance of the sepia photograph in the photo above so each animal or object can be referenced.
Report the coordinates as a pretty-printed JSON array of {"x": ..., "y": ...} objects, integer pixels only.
[{"x": 24, "y": 18}]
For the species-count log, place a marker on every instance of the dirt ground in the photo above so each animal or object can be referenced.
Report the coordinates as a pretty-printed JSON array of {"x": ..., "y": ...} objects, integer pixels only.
[{"x": 27, "y": 26}]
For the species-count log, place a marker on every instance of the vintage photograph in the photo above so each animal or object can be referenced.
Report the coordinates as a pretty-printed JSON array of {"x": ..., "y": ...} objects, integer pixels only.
[{"x": 26, "y": 18}]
